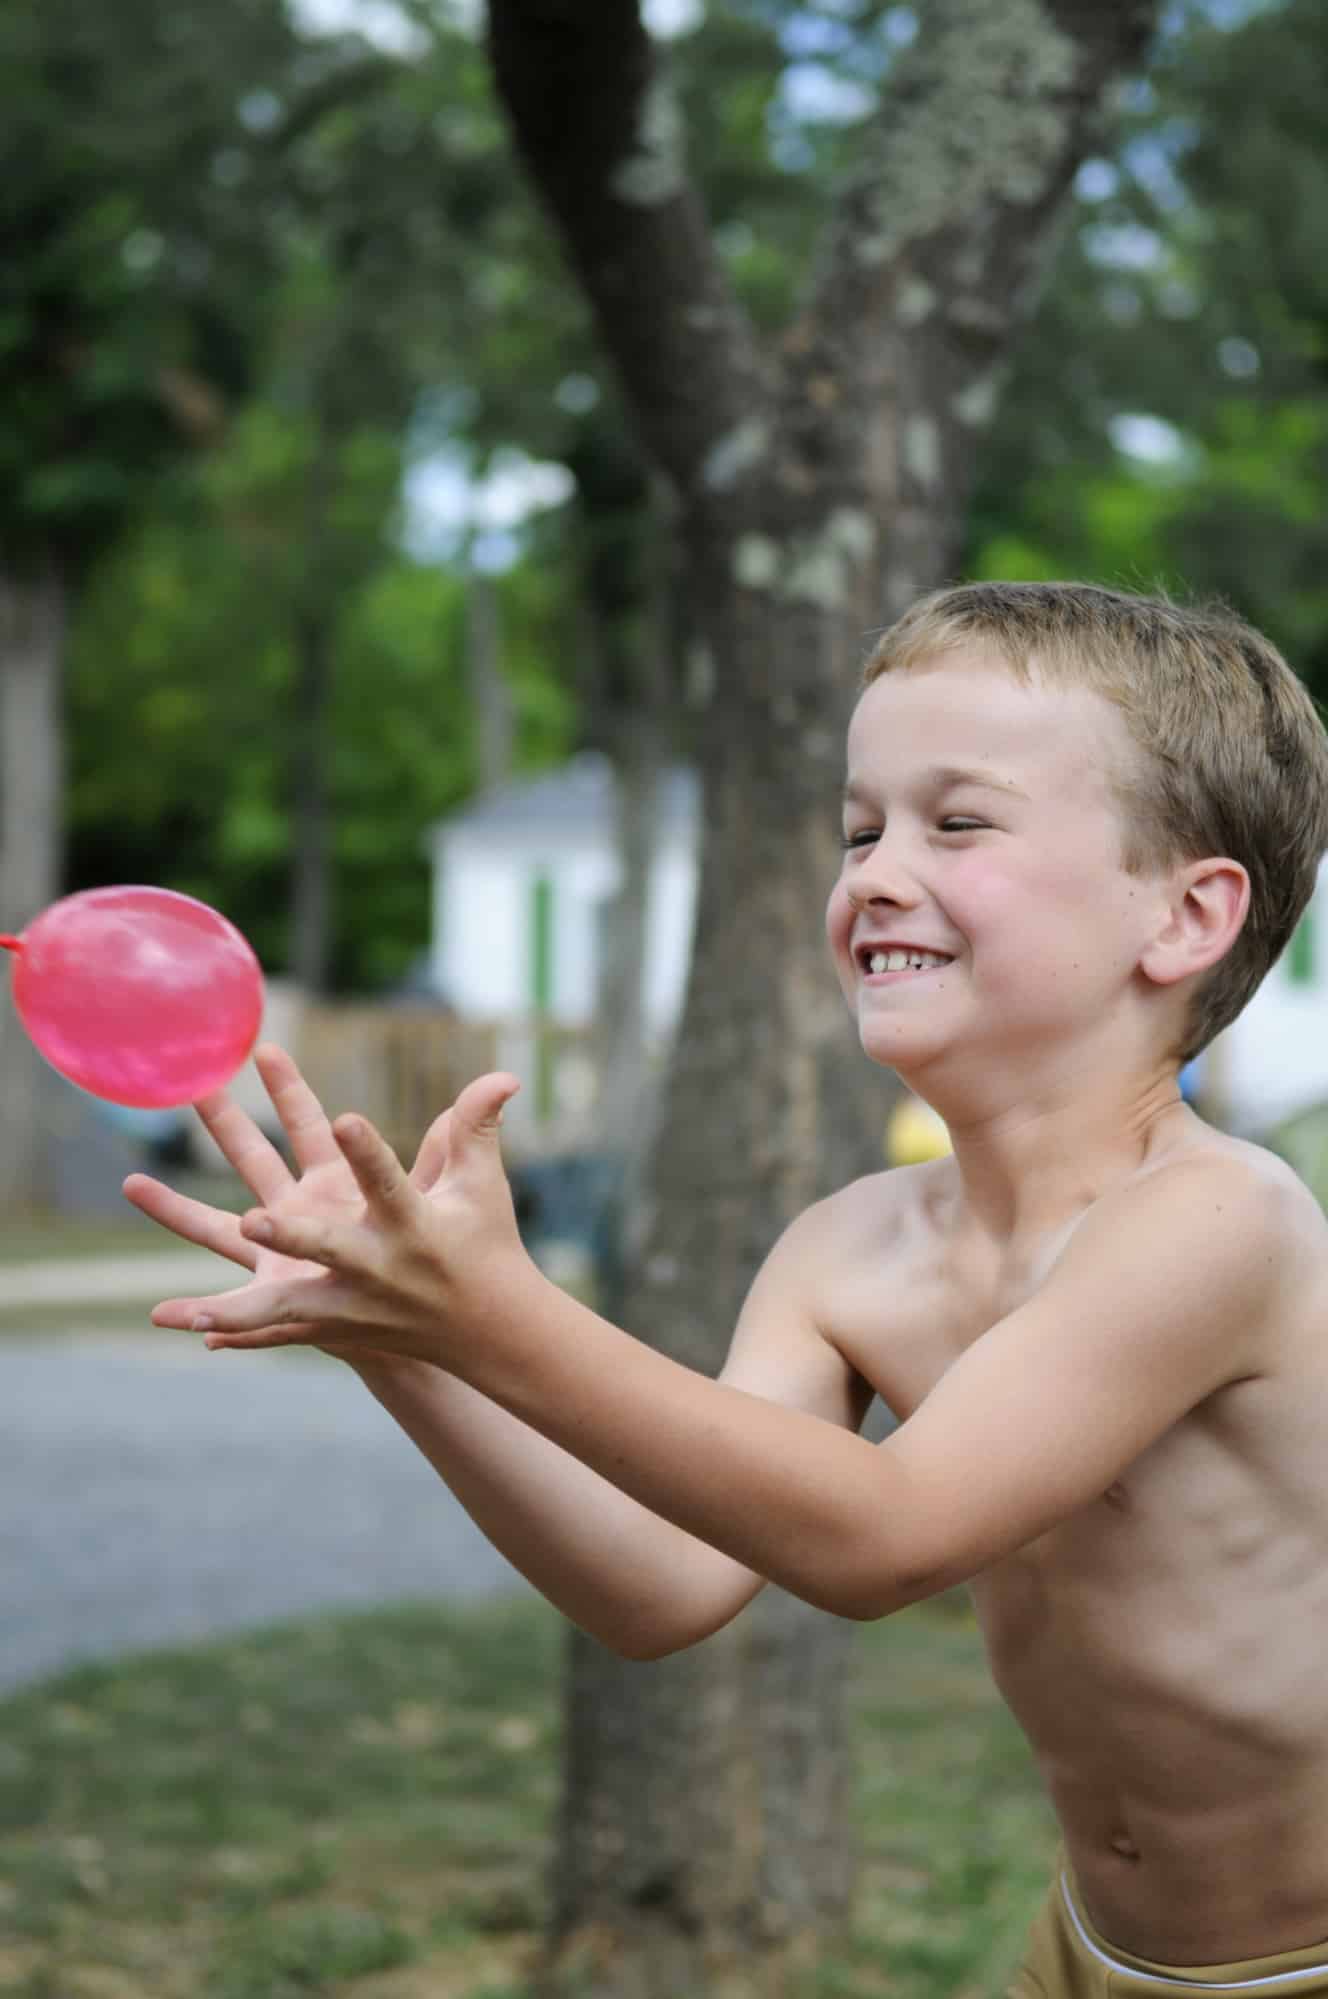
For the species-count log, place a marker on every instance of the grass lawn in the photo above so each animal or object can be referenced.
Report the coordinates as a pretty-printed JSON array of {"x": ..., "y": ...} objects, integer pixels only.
[{"x": 360, "y": 1805}]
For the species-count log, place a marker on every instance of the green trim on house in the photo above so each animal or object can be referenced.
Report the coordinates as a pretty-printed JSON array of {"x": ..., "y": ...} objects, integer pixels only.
[
  {"x": 541, "y": 991},
  {"x": 1301, "y": 952},
  {"x": 541, "y": 944}
]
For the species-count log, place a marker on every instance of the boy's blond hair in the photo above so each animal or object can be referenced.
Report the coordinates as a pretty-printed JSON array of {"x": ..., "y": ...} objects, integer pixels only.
[{"x": 1233, "y": 756}]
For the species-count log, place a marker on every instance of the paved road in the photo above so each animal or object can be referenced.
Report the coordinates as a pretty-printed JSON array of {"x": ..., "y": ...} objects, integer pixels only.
[{"x": 152, "y": 1493}]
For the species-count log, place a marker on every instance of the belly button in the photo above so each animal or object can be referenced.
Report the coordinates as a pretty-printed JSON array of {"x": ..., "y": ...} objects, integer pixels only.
[
  {"x": 1117, "y": 1496},
  {"x": 1121, "y": 1843}
]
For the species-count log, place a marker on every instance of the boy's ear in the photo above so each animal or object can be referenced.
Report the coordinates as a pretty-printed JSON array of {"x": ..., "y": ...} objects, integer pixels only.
[{"x": 1206, "y": 907}]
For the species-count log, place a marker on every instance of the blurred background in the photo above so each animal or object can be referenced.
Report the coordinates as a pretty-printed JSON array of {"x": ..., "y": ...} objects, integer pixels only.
[
  {"x": 327, "y": 546},
  {"x": 336, "y": 590}
]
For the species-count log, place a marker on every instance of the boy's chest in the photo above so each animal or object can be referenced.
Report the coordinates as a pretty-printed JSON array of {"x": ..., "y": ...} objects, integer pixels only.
[
  {"x": 902, "y": 1322},
  {"x": 1192, "y": 1513}
]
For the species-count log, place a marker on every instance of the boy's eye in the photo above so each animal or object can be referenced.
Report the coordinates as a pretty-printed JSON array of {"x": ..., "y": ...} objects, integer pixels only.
[{"x": 869, "y": 835}]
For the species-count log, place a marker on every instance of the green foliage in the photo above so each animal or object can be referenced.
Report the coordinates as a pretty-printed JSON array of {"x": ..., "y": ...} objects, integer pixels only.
[
  {"x": 1190, "y": 289},
  {"x": 126, "y": 293},
  {"x": 185, "y": 649},
  {"x": 355, "y": 185},
  {"x": 298, "y": 1809},
  {"x": 333, "y": 257}
]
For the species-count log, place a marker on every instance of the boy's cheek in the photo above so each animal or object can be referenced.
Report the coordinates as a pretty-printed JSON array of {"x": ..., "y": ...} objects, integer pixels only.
[
  {"x": 838, "y": 920},
  {"x": 982, "y": 899},
  {"x": 838, "y": 932}
]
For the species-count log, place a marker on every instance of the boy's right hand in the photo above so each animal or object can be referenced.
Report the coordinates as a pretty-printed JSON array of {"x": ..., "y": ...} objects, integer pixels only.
[{"x": 325, "y": 1185}]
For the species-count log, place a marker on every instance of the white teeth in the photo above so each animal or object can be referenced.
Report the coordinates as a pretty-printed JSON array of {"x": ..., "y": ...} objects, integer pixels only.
[{"x": 903, "y": 961}]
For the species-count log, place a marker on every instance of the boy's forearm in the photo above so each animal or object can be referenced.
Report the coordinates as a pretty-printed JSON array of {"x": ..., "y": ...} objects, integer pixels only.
[
  {"x": 634, "y": 1581},
  {"x": 795, "y": 1499}
]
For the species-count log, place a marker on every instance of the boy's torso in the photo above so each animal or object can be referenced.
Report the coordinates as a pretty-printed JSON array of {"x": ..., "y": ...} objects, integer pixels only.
[{"x": 1163, "y": 1648}]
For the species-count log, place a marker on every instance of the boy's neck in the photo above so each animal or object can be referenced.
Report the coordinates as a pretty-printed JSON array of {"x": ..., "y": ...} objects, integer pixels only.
[{"x": 1026, "y": 1168}]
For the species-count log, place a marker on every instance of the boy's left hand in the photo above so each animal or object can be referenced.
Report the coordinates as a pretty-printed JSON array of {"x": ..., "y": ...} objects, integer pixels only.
[{"x": 400, "y": 1274}]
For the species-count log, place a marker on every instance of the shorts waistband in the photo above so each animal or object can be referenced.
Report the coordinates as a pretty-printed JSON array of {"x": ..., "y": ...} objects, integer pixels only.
[{"x": 1160, "y": 1975}]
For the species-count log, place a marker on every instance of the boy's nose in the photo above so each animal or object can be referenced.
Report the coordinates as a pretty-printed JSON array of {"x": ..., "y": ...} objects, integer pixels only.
[{"x": 880, "y": 885}]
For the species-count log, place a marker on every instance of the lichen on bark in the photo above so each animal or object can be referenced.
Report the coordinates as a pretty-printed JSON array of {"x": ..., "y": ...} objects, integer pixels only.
[
  {"x": 736, "y": 453},
  {"x": 654, "y": 171},
  {"x": 983, "y": 114}
]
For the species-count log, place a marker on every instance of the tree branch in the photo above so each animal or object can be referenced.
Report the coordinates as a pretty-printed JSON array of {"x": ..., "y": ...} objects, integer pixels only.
[
  {"x": 596, "y": 120},
  {"x": 980, "y": 131}
]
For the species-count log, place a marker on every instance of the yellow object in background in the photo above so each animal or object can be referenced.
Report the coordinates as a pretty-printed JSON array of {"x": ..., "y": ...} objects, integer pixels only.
[{"x": 914, "y": 1134}]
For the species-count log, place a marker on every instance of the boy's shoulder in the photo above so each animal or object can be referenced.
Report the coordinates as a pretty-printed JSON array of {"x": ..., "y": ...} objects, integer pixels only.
[
  {"x": 1272, "y": 1210},
  {"x": 1212, "y": 1247},
  {"x": 1209, "y": 1194},
  {"x": 888, "y": 1207},
  {"x": 1205, "y": 1185},
  {"x": 1265, "y": 1189}
]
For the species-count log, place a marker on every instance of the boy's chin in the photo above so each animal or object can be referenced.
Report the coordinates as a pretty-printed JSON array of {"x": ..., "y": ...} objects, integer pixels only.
[{"x": 902, "y": 1051}]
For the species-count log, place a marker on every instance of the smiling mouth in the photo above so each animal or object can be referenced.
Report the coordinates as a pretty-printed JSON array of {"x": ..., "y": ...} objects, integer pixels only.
[{"x": 900, "y": 964}]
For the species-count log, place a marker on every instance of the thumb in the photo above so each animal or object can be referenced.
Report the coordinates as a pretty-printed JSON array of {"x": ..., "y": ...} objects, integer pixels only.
[
  {"x": 431, "y": 1158},
  {"x": 478, "y": 1112}
]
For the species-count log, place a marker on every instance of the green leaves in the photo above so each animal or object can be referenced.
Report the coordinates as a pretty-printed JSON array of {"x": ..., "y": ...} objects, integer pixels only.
[
  {"x": 115, "y": 273},
  {"x": 1191, "y": 288}
]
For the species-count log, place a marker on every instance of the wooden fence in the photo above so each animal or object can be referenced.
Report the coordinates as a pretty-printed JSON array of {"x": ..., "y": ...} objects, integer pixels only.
[{"x": 402, "y": 1066}]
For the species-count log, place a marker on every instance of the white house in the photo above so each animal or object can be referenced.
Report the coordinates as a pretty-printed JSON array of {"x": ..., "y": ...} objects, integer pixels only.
[
  {"x": 1273, "y": 1059},
  {"x": 521, "y": 878}
]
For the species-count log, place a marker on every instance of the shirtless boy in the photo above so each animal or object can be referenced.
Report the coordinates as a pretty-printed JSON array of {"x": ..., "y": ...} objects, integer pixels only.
[{"x": 1079, "y": 828}]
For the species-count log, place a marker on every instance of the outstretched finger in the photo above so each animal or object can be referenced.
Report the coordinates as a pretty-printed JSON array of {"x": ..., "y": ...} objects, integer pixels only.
[
  {"x": 210, "y": 1228},
  {"x": 252, "y": 1154},
  {"x": 378, "y": 1172},
  {"x": 294, "y": 1335},
  {"x": 252, "y": 1308},
  {"x": 303, "y": 1119},
  {"x": 336, "y": 1244},
  {"x": 477, "y": 1116}
]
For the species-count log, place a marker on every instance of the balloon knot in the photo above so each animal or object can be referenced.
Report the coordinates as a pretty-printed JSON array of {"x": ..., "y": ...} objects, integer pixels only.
[{"x": 11, "y": 943}]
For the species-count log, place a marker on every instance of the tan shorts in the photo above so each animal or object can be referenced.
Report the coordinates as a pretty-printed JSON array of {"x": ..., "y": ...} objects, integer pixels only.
[{"x": 1067, "y": 1959}]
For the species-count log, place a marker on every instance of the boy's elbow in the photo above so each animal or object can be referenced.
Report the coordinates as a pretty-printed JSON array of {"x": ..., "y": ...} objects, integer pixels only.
[
  {"x": 648, "y": 1651},
  {"x": 661, "y": 1630},
  {"x": 875, "y": 1589},
  {"x": 645, "y": 1647}
]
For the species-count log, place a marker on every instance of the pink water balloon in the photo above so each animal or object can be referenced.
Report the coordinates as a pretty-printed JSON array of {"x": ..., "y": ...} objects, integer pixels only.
[{"x": 141, "y": 996}]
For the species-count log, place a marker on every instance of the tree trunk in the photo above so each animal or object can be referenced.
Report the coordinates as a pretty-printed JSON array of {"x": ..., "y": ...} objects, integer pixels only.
[
  {"x": 626, "y": 668},
  {"x": 311, "y": 818},
  {"x": 640, "y": 771},
  {"x": 704, "y": 1844},
  {"x": 819, "y": 486},
  {"x": 32, "y": 630},
  {"x": 490, "y": 696}
]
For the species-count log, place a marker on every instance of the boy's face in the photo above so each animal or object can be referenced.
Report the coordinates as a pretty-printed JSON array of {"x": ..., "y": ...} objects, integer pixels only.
[{"x": 980, "y": 827}]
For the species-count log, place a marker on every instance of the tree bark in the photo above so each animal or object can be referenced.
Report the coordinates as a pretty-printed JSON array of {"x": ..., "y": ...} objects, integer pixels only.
[
  {"x": 32, "y": 632},
  {"x": 819, "y": 486},
  {"x": 626, "y": 666},
  {"x": 490, "y": 696},
  {"x": 311, "y": 811}
]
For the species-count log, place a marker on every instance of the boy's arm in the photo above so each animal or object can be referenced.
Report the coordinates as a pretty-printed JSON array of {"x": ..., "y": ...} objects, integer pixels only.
[
  {"x": 635, "y": 1581},
  {"x": 1159, "y": 1299},
  {"x": 641, "y": 1585}
]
